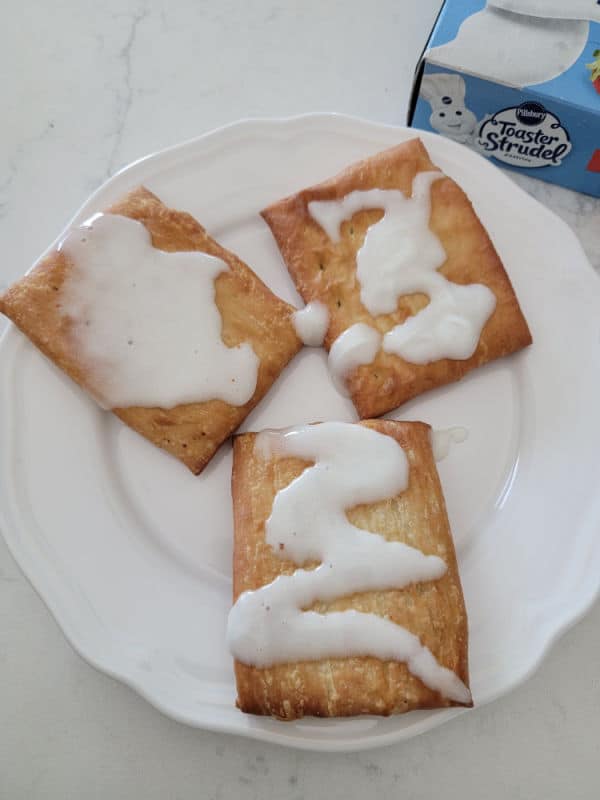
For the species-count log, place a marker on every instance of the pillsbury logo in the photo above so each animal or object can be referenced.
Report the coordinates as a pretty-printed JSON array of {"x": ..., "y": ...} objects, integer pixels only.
[
  {"x": 524, "y": 136},
  {"x": 530, "y": 113}
]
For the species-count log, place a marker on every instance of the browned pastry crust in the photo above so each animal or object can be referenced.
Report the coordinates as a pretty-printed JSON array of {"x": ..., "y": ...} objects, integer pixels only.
[
  {"x": 249, "y": 310},
  {"x": 432, "y": 610},
  {"x": 326, "y": 271}
]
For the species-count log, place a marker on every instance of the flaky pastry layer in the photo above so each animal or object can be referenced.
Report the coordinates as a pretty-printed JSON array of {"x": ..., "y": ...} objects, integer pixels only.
[
  {"x": 250, "y": 312},
  {"x": 432, "y": 610},
  {"x": 325, "y": 270}
]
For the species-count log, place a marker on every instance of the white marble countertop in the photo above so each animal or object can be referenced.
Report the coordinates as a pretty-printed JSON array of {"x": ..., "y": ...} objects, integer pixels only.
[{"x": 87, "y": 88}]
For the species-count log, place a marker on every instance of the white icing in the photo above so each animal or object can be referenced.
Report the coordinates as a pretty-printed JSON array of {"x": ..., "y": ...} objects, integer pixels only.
[
  {"x": 559, "y": 9},
  {"x": 397, "y": 249},
  {"x": 358, "y": 344},
  {"x": 399, "y": 256},
  {"x": 442, "y": 440},
  {"x": 449, "y": 327},
  {"x": 352, "y": 465},
  {"x": 270, "y": 442},
  {"x": 515, "y": 49},
  {"x": 311, "y": 323},
  {"x": 146, "y": 321}
]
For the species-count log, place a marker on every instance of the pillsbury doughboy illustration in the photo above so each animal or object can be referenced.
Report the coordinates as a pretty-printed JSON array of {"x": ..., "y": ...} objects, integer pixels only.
[
  {"x": 517, "y": 81},
  {"x": 520, "y": 42},
  {"x": 449, "y": 115}
]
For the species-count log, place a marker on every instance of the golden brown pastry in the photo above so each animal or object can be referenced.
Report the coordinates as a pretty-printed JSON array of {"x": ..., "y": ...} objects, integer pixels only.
[
  {"x": 250, "y": 312},
  {"x": 326, "y": 270},
  {"x": 433, "y": 610}
]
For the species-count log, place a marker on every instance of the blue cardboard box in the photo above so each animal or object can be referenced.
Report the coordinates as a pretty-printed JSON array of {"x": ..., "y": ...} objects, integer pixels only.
[{"x": 519, "y": 82}]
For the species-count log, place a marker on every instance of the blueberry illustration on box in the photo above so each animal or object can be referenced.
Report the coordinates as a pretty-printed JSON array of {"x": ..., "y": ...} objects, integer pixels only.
[{"x": 517, "y": 81}]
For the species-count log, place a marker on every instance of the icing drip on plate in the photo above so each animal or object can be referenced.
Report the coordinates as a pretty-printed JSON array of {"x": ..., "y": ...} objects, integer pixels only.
[
  {"x": 311, "y": 323},
  {"x": 352, "y": 465},
  {"x": 401, "y": 255},
  {"x": 145, "y": 323},
  {"x": 357, "y": 345},
  {"x": 442, "y": 440}
]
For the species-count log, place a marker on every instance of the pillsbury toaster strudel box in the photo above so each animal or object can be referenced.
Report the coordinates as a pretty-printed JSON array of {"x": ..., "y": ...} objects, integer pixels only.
[{"x": 519, "y": 82}]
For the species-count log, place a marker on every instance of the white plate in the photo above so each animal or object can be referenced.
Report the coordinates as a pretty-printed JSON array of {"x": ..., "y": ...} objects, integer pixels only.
[{"x": 132, "y": 553}]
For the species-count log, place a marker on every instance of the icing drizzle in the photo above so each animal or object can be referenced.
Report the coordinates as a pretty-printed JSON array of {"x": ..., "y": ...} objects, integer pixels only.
[
  {"x": 401, "y": 255},
  {"x": 352, "y": 465},
  {"x": 311, "y": 323},
  {"x": 145, "y": 321}
]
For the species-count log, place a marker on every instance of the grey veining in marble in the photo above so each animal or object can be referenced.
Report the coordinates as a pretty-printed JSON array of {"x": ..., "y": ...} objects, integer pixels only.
[{"x": 88, "y": 87}]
